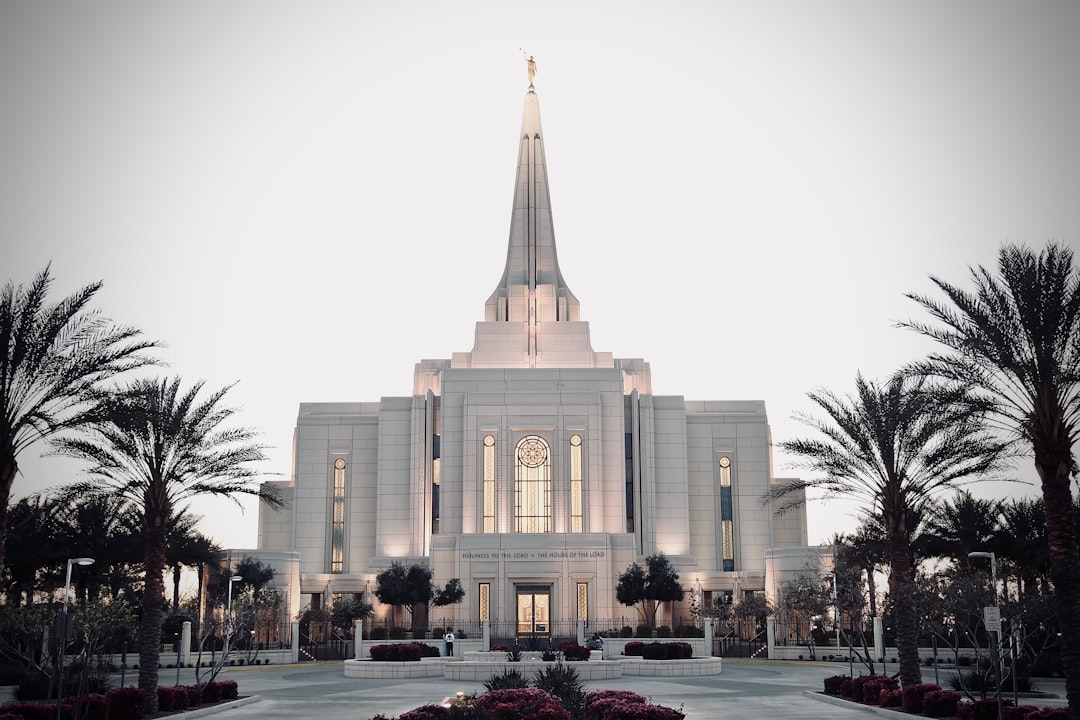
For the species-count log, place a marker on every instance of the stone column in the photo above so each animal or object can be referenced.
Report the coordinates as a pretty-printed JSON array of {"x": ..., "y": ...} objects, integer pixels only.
[
  {"x": 580, "y": 632},
  {"x": 879, "y": 638},
  {"x": 185, "y": 643},
  {"x": 358, "y": 639},
  {"x": 295, "y": 646},
  {"x": 487, "y": 636},
  {"x": 770, "y": 635},
  {"x": 708, "y": 637}
]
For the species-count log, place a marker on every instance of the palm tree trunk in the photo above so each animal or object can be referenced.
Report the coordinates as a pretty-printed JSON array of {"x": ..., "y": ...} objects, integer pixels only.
[
  {"x": 176, "y": 589},
  {"x": 8, "y": 469},
  {"x": 153, "y": 607},
  {"x": 1061, "y": 535},
  {"x": 903, "y": 606}
]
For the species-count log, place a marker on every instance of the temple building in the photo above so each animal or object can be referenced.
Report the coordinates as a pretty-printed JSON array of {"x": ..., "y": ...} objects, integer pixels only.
[{"x": 533, "y": 467}]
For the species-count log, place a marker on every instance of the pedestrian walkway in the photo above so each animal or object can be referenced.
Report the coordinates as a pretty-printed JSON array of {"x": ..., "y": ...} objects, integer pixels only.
[{"x": 753, "y": 689}]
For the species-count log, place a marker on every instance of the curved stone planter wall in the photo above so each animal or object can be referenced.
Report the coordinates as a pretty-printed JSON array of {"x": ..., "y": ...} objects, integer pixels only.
[{"x": 480, "y": 671}]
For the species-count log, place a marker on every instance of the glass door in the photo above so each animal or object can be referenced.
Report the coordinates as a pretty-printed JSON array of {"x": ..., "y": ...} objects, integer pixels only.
[{"x": 534, "y": 611}]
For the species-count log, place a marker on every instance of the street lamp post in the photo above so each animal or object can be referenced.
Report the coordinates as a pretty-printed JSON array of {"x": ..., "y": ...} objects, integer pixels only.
[
  {"x": 228, "y": 616},
  {"x": 995, "y": 633},
  {"x": 64, "y": 630}
]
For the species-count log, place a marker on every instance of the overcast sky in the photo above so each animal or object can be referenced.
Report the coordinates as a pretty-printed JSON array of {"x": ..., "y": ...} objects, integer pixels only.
[{"x": 308, "y": 198}]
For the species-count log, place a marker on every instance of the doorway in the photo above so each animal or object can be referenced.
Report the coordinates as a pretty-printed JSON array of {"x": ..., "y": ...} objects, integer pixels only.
[{"x": 534, "y": 611}]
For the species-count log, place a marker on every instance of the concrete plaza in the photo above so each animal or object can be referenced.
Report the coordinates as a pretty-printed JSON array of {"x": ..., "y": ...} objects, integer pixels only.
[{"x": 760, "y": 689}]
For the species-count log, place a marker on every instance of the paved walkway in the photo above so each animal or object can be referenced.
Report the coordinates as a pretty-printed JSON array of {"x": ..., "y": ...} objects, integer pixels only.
[{"x": 754, "y": 689}]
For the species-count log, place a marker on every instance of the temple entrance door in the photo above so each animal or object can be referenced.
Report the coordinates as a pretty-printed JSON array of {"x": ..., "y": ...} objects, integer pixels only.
[{"x": 534, "y": 611}]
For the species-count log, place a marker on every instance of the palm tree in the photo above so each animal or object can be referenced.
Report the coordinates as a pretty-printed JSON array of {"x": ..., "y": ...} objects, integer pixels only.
[
  {"x": 96, "y": 526},
  {"x": 1022, "y": 540},
  {"x": 1015, "y": 342},
  {"x": 185, "y": 546},
  {"x": 159, "y": 447},
  {"x": 963, "y": 525},
  {"x": 893, "y": 447},
  {"x": 54, "y": 360},
  {"x": 33, "y": 530}
]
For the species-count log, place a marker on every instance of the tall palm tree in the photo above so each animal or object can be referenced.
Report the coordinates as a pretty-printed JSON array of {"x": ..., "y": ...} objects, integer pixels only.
[
  {"x": 53, "y": 359},
  {"x": 894, "y": 446},
  {"x": 185, "y": 546},
  {"x": 962, "y": 525},
  {"x": 33, "y": 530},
  {"x": 1015, "y": 341},
  {"x": 1022, "y": 540},
  {"x": 96, "y": 526},
  {"x": 159, "y": 447}
]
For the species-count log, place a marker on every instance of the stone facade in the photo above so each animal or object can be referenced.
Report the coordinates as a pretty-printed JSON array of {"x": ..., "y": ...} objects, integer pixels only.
[{"x": 533, "y": 468}]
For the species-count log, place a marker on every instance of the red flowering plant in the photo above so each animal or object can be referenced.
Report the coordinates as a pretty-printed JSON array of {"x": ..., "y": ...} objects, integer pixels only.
[
  {"x": 599, "y": 702},
  {"x": 520, "y": 704}
]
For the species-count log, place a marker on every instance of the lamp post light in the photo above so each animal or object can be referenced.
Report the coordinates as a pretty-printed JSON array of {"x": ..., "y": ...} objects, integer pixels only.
[
  {"x": 64, "y": 629},
  {"x": 228, "y": 615},
  {"x": 994, "y": 623}
]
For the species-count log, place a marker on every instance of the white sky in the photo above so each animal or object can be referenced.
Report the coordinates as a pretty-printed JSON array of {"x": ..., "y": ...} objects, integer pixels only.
[{"x": 310, "y": 197}]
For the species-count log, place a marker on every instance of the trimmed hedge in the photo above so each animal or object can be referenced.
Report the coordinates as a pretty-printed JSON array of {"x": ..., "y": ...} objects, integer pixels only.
[
  {"x": 600, "y": 702},
  {"x": 572, "y": 652},
  {"x": 667, "y": 651},
  {"x": 427, "y": 712},
  {"x": 913, "y": 696},
  {"x": 832, "y": 684},
  {"x": 941, "y": 703},
  {"x": 520, "y": 704},
  {"x": 126, "y": 703}
]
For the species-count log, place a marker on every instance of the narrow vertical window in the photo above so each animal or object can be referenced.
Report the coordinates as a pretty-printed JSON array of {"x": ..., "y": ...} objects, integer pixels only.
[
  {"x": 436, "y": 480},
  {"x": 576, "y": 504},
  {"x": 489, "y": 483},
  {"x": 337, "y": 527},
  {"x": 532, "y": 486},
  {"x": 629, "y": 464},
  {"x": 583, "y": 602},
  {"x": 727, "y": 529},
  {"x": 485, "y": 602}
]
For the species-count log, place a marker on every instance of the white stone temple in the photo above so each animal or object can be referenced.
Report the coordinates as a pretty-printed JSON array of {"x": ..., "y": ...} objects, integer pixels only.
[{"x": 532, "y": 467}]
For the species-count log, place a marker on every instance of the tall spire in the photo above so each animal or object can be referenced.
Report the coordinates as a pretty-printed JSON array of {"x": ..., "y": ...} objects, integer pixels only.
[{"x": 532, "y": 288}]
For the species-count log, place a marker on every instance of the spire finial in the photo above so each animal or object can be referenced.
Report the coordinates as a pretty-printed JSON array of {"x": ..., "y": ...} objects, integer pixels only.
[{"x": 532, "y": 67}]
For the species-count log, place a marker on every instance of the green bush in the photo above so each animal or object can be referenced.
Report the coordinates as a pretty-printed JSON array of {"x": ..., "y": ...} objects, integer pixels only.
[
  {"x": 643, "y": 631},
  {"x": 506, "y": 680},
  {"x": 663, "y": 631},
  {"x": 563, "y": 682},
  {"x": 626, "y": 631}
]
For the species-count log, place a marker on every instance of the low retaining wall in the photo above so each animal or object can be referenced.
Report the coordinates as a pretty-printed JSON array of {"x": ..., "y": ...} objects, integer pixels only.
[{"x": 478, "y": 671}]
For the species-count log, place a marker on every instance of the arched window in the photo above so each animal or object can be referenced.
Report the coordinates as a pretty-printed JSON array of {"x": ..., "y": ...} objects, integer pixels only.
[
  {"x": 489, "y": 483},
  {"x": 532, "y": 485}
]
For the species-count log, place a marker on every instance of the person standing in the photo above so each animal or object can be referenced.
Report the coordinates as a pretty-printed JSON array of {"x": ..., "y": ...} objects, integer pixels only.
[{"x": 448, "y": 638}]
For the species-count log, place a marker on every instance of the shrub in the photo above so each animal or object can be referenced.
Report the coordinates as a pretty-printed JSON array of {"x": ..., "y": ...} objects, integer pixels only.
[
  {"x": 987, "y": 709},
  {"x": 634, "y": 648},
  {"x": 1050, "y": 713},
  {"x": 171, "y": 698},
  {"x": 426, "y": 712},
  {"x": 39, "y": 711},
  {"x": 126, "y": 703},
  {"x": 940, "y": 703},
  {"x": 667, "y": 651},
  {"x": 405, "y": 652},
  {"x": 521, "y": 704},
  {"x": 378, "y": 633},
  {"x": 891, "y": 698},
  {"x": 875, "y": 685},
  {"x": 572, "y": 652},
  {"x": 913, "y": 696},
  {"x": 562, "y": 682},
  {"x": 229, "y": 689},
  {"x": 397, "y": 633},
  {"x": 211, "y": 692},
  {"x": 93, "y": 707},
  {"x": 194, "y": 695},
  {"x": 663, "y": 631},
  {"x": 857, "y": 684},
  {"x": 428, "y": 650},
  {"x": 832, "y": 684},
  {"x": 513, "y": 654},
  {"x": 635, "y": 711},
  {"x": 506, "y": 680},
  {"x": 690, "y": 631},
  {"x": 419, "y": 634},
  {"x": 1020, "y": 712},
  {"x": 599, "y": 702},
  {"x": 643, "y": 631},
  {"x": 497, "y": 648},
  {"x": 626, "y": 631}
]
